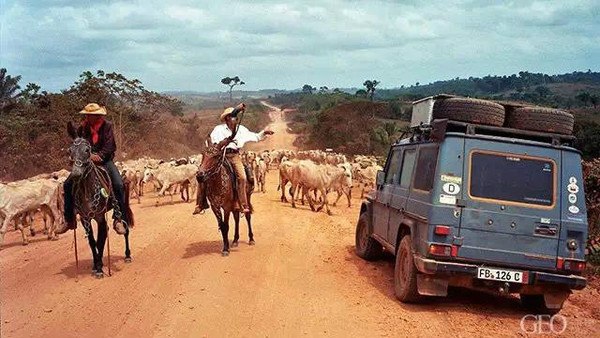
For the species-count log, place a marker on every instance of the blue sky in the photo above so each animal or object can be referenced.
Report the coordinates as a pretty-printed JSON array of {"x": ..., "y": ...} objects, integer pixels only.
[{"x": 191, "y": 45}]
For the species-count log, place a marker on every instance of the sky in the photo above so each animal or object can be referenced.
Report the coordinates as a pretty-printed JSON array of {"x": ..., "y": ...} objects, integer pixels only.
[{"x": 191, "y": 45}]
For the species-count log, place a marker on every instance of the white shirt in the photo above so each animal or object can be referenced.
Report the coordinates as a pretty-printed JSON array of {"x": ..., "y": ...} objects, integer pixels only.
[{"x": 243, "y": 136}]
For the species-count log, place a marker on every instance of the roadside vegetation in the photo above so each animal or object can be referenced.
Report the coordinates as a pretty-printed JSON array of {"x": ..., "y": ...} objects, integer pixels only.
[{"x": 33, "y": 122}]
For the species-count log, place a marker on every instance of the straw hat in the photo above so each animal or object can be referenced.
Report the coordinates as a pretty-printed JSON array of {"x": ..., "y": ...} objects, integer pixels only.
[
  {"x": 226, "y": 113},
  {"x": 93, "y": 109}
]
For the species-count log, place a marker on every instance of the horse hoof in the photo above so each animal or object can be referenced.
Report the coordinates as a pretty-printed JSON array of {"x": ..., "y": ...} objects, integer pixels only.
[
  {"x": 99, "y": 274},
  {"x": 225, "y": 253},
  {"x": 252, "y": 242},
  {"x": 25, "y": 243},
  {"x": 128, "y": 260},
  {"x": 234, "y": 244}
]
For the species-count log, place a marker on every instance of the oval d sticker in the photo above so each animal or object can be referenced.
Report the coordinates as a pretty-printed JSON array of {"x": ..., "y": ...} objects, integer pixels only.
[{"x": 451, "y": 188}]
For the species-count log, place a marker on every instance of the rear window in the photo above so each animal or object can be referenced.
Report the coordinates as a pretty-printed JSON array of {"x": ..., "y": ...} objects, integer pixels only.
[
  {"x": 508, "y": 177},
  {"x": 426, "y": 168}
]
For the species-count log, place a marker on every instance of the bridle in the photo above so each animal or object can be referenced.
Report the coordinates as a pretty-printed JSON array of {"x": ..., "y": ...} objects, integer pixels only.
[
  {"x": 78, "y": 163},
  {"x": 216, "y": 168}
]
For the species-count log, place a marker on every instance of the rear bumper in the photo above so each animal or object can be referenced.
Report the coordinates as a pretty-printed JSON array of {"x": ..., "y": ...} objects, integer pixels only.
[{"x": 431, "y": 266}]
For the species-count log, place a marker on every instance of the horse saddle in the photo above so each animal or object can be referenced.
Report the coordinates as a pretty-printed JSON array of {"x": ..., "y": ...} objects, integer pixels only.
[{"x": 105, "y": 182}]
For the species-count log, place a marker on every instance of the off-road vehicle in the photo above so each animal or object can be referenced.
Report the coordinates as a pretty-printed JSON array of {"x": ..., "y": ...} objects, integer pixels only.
[{"x": 481, "y": 194}]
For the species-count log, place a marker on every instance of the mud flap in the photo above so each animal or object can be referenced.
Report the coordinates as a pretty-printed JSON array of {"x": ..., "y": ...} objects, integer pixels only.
[
  {"x": 555, "y": 300},
  {"x": 428, "y": 285}
]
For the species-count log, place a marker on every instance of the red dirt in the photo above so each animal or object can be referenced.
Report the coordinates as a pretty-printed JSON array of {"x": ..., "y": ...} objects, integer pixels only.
[{"x": 301, "y": 279}]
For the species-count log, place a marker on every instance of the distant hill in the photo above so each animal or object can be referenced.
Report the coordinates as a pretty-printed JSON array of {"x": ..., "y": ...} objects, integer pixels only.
[{"x": 561, "y": 90}]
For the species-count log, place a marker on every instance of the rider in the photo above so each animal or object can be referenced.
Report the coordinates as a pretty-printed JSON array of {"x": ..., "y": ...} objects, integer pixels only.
[
  {"x": 223, "y": 133},
  {"x": 99, "y": 132}
]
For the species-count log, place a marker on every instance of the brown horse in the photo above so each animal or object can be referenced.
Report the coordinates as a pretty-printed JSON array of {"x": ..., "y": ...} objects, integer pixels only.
[{"x": 217, "y": 178}]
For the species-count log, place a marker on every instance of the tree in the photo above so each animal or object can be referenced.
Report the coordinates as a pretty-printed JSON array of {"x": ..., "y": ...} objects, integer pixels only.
[
  {"x": 323, "y": 89},
  {"x": 387, "y": 133},
  {"x": 31, "y": 92},
  {"x": 308, "y": 89},
  {"x": 8, "y": 89},
  {"x": 232, "y": 82},
  {"x": 584, "y": 97},
  {"x": 370, "y": 85},
  {"x": 361, "y": 93}
]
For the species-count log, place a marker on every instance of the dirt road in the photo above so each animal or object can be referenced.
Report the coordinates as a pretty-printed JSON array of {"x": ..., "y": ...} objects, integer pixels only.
[{"x": 301, "y": 279}]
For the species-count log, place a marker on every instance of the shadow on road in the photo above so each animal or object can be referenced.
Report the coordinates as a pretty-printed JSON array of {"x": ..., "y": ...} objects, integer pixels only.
[
  {"x": 380, "y": 274},
  {"x": 85, "y": 266},
  {"x": 203, "y": 248}
]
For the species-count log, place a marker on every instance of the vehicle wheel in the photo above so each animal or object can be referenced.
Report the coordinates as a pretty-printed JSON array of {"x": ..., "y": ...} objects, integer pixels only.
[
  {"x": 366, "y": 246},
  {"x": 405, "y": 273},
  {"x": 541, "y": 119},
  {"x": 537, "y": 304},
  {"x": 469, "y": 110}
]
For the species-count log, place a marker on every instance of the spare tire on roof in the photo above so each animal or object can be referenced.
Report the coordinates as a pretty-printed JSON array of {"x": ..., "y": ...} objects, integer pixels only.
[
  {"x": 541, "y": 119},
  {"x": 469, "y": 110}
]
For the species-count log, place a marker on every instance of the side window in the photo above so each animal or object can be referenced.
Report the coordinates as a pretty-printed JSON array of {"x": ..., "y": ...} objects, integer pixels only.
[
  {"x": 407, "y": 167},
  {"x": 426, "y": 164},
  {"x": 391, "y": 176}
]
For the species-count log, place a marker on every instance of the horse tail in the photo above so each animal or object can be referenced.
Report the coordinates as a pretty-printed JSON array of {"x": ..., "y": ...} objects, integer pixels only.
[{"x": 128, "y": 211}]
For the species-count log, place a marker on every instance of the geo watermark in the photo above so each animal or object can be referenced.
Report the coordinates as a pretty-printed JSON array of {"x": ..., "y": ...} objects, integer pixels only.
[{"x": 544, "y": 324}]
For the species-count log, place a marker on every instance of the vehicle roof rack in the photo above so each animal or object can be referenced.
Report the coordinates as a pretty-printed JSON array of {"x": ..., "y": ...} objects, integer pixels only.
[{"x": 479, "y": 129}]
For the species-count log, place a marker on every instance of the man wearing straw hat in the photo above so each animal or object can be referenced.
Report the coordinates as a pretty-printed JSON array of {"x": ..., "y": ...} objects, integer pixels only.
[
  {"x": 99, "y": 132},
  {"x": 223, "y": 132}
]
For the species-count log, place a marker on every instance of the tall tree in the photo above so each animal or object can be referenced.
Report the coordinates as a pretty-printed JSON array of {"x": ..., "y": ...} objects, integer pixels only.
[
  {"x": 9, "y": 87},
  {"x": 370, "y": 85},
  {"x": 232, "y": 82},
  {"x": 323, "y": 89},
  {"x": 308, "y": 89}
]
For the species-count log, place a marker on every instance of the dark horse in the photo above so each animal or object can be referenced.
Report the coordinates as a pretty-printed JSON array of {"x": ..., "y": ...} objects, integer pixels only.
[
  {"x": 218, "y": 178},
  {"x": 93, "y": 198}
]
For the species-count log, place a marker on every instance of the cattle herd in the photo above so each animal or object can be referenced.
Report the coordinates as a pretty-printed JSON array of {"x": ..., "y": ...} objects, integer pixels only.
[{"x": 311, "y": 174}]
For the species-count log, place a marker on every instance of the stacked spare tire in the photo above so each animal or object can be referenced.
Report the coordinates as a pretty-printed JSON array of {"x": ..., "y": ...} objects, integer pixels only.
[{"x": 548, "y": 120}]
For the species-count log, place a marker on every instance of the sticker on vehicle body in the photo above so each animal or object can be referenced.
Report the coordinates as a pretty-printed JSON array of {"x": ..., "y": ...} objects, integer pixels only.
[
  {"x": 572, "y": 180},
  {"x": 572, "y": 198},
  {"x": 447, "y": 199},
  {"x": 573, "y": 188},
  {"x": 451, "y": 179},
  {"x": 545, "y": 220},
  {"x": 574, "y": 209},
  {"x": 451, "y": 188}
]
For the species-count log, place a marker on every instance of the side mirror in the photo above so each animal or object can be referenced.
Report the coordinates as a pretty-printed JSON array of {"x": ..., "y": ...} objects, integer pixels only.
[{"x": 380, "y": 178}]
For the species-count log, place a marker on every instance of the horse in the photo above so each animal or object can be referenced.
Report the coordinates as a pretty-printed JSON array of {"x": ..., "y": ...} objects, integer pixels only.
[
  {"x": 218, "y": 182},
  {"x": 93, "y": 198}
]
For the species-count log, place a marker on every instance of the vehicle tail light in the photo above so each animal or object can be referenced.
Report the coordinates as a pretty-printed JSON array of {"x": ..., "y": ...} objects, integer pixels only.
[
  {"x": 570, "y": 265},
  {"x": 454, "y": 251},
  {"x": 440, "y": 250},
  {"x": 442, "y": 230}
]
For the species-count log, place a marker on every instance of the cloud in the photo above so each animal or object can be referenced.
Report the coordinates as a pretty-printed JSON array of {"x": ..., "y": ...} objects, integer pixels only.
[{"x": 192, "y": 44}]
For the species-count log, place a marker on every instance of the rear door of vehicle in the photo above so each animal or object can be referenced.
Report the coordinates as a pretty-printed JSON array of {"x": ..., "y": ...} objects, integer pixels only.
[{"x": 511, "y": 213}]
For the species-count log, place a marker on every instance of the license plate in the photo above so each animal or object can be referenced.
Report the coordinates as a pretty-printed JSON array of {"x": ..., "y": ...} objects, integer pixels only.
[{"x": 501, "y": 275}]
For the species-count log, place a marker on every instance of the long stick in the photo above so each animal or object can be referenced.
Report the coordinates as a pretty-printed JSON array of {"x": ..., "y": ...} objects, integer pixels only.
[
  {"x": 108, "y": 248},
  {"x": 76, "y": 254}
]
